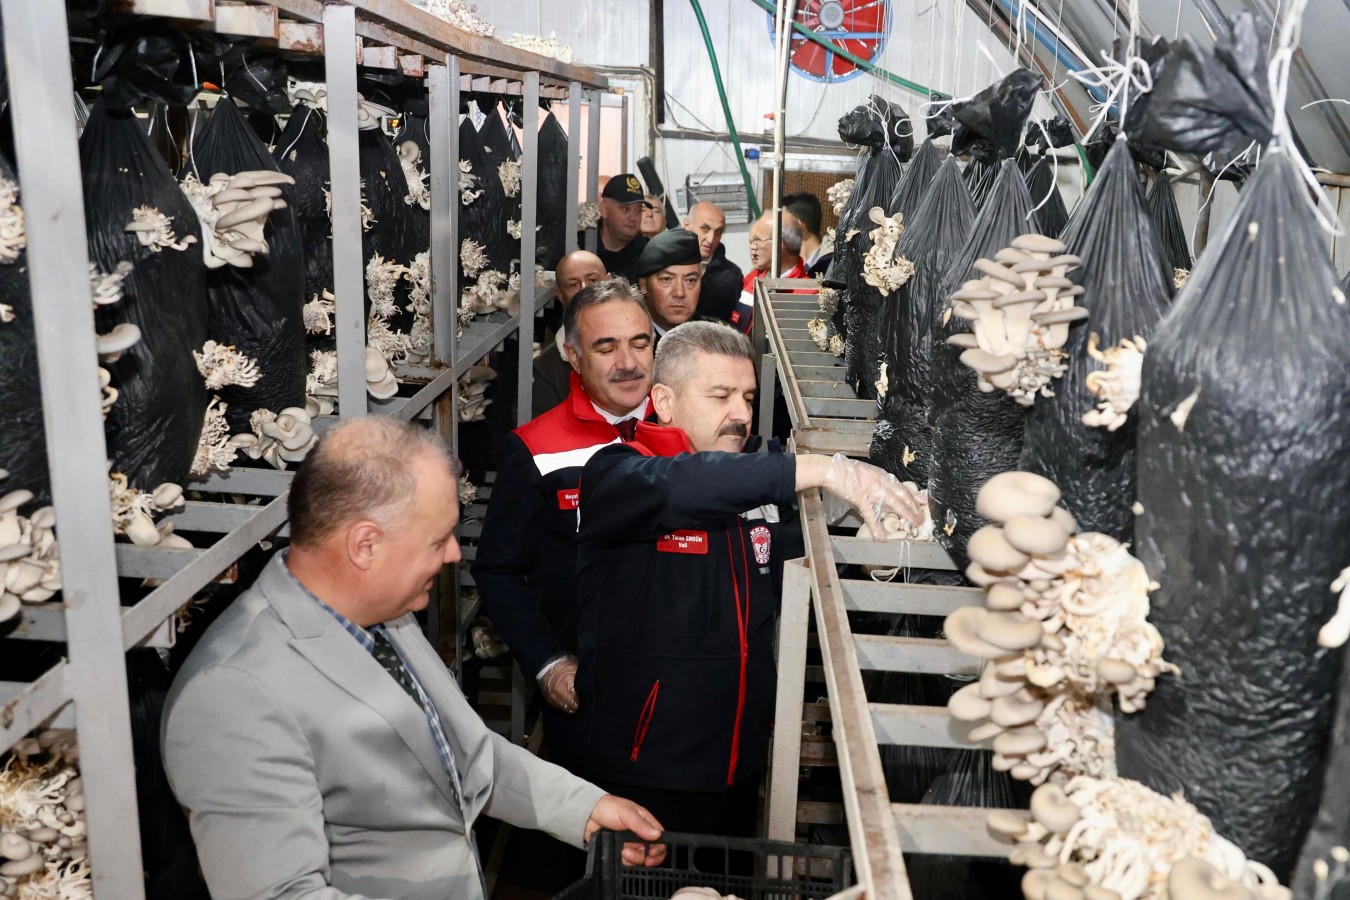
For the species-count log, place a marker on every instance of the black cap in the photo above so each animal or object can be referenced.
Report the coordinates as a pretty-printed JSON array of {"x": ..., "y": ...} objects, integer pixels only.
[
  {"x": 675, "y": 247},
  {"x": 625, "y": 188}
]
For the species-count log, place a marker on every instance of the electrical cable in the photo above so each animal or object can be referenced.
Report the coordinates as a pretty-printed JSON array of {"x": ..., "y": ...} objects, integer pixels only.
[{"x": 750, "y": 200}]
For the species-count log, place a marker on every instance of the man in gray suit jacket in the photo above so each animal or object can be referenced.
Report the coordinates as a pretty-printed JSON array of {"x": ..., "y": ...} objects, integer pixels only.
[{"x": 318, "y": 743}]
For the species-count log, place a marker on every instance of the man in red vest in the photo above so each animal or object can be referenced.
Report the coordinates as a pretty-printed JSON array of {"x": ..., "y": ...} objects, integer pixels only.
[{"x": 790, "y": 263}]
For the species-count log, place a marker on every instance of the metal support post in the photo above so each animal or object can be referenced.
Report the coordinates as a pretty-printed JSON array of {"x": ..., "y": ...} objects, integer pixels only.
[
  {"x": 344, "y": 175},
  {"x": 593, "y": 163},
  {"x": 768, "y": 388},
  {"x": 573, "y": 163},
  {"x": 529, "y": 217},
  {"x": 48, "y": 162},
  {"x": 443, "y": 88}
]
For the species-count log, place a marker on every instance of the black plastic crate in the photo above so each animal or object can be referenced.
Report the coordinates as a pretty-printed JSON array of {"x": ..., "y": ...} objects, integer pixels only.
[{"x": 750, "y": 868}]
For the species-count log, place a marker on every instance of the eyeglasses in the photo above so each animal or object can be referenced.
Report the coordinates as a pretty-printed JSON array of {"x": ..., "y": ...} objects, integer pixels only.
[{"x": 754, "y": 241}]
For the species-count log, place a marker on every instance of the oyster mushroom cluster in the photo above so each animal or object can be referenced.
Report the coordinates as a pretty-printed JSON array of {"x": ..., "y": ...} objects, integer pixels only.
[
  {"x": 367, "y": 214},
  {"x": 418, "y": 275},
  {"x": 1064, "y": 627},
  {"x": 278, "y": 438},
  {"x": 473, "y": 385},
  {"x": 410, "y": 160},
  {"x": 467, "y": 182},
  {"x": 472, "y": 257},
  {"x": 43, "y": 846},
  {"x": 132, "y": 512},
  {"x": 468, "y": 491},
  {"x": 882, "y": 268},
  {"x": 154, "y": 230},
  {"x": 13, "y": 231},
  {"x": 382, "y": 278},
  {"x": 509, "y": 172},
  {"x": 321, "y": 382},
  {"x": 588, "y": 215},
  {"x": 214, "y": 451},
  {"x": 106, "y": 290},
  {"x": 1179, "y": 276},
  {"x": 461, "y": 15},
  {"x": 380, "y": 380},
  {"x": 1115, "y": 839},
  {"x": 234, "y": 210},
  {"x": 490, "y": 291},
  {"x": 1020, "y": 313},
  {"x": 1117, "y": 386},
  {"x": 838, "y": 194},
  {"x": 222, "y": 365},
  {"x": 545, "y": 46},
  {"x": 318, "y": 313},
  {"x": 898, "y": 528},
  {"x": 30, "y": 559}
]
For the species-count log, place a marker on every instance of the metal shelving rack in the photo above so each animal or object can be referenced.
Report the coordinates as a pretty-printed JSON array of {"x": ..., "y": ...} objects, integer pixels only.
[
  {"x": 88, "y": 689},
  {"x": 827, "y": 417}
]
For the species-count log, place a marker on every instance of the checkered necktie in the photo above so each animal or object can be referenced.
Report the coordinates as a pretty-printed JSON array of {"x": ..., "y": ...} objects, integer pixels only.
[{"x": 388, "y": 657}]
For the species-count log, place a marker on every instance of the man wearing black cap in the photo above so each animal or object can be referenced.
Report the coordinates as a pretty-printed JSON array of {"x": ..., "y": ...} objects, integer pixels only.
[
  {"x": 621, "y": 205},
  {"x": 670, "y": 274}
]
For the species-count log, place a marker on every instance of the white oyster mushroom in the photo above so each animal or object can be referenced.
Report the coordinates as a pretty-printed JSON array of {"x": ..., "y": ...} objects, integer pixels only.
[
  {"x": 318, "y": 313},
  {"x": 460, "y": 14},
  {"x": 112, "y": 345},
  {"x": 1117, "y": 386},
  {"x": 380, "y": 381},
  {"x": 509, "y": 172},
  {"x": 545, "y": 46},
  {"x": 1065, "y": 628},
  {"x": 369, "y": 113},
  {"x": 410, "y": 159},
  {"x": 838, "y": 193},
  {"x": 472, "y": 401},
  {"x": 214, "y": 451},
  {"x": 107, "y": 289},
  {"x": 154, "y": 230},
  {"x": 1020, "y": 312},
  {"x": 899, "y": 528},
  {"x": 588, "y": 215},
  {"x": 13, "y": 230},
  {"x": 472, "y": 257},
  {"x": 278, "y": 438},
  {"x": 882, "y": 268},
  {"x": 30, "y": 560},
  {"x": 818, "y": 329},
  {"x": 222, "y": 365},
  {"x": 233, "y": 211}
]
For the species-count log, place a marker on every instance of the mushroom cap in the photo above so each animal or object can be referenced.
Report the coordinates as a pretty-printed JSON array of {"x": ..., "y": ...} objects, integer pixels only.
[
  {"x": 1192, "y": 878},
  {"x": 1016, "y": 297},
  {"x": 974, "y": 290},
  {"x": 1116, "y": 671},
  {"x": 991, "y": 549},
  {"x": 965, "y": 341},
  {"x": 9, "y": 608},
  {"x": 962, "y": 630},
  {"x": 1014, "y": 710},
  {"x": 19, "y": 867},
  {"x": 999, "y": 272},
  {"x": 14, "y": 846},
  {"x": 1032, "y": 242},
  {"x": 1058, "y": 316},
  {"x": 1074, "y": 874},
  {"x": 1007, "y": 822},
  {"x": 123, "y": 337},
  {"x": 1003, "y": 598},
  {"x": 14, "y": 499},
  {"x": 1010, "y": 630},
  {"x": 983, "y": 732},
  {"x": 1045, "y": 282},
  {"x": 988, "y": 363},
  {"x": 1051, "y": 807},
  {"x": 43, "y": 518},
  {"x": 1062, "y": 890},
  {"x": 1065, "y": 519},
  {"x": 11, "y": 552},
  {"x": 1097, "y": 892},
  {"x": 1035, "y": 535},
  {"x": 992, "y": 686},
  {"x": 1036, "y": 882},
  {"x": 1020, "y": 741},
  {"x": 1009, "y": 494},
  {"x": 967, "y": 705}
]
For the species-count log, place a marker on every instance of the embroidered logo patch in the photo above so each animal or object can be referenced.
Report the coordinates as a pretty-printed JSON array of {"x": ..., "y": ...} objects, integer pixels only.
[
  {"x": 569, "y": 498},
  {"x": 695, "y": 542},
  {"x": 762, "y": 542}
]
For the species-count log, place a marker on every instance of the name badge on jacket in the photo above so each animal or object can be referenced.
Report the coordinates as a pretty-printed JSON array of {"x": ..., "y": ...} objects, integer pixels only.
[
  {"x": 569, "y": 498},
  {"x": 695, "y": 542}
]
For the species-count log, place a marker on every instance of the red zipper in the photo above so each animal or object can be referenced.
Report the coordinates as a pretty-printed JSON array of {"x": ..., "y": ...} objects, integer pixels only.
[
  {"x": 742, "y": 628},
  {"x": 645, "y": 719}
]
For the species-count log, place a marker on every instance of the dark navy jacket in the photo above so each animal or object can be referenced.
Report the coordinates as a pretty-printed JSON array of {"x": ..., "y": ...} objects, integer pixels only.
[{"x": 679, "y": 562}]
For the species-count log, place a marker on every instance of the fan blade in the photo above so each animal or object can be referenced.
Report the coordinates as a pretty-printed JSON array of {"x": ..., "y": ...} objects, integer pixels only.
[
  {"x": 865, "y": 20},
  {"x": 809, "y": 57}
]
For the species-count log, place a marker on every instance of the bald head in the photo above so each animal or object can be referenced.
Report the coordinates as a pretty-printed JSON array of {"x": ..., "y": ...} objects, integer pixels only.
[
  {"x": 361, "y": 469},
  {"x": 578, "y": 269},
  {"x": 707, "y": 221},
  {"x": 761, "y": 241}
]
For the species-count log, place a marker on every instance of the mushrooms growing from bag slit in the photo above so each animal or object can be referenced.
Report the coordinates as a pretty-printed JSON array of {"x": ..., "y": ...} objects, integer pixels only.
[
  {"x": 1102, "y": 838},
  {"x": 838, "y": 193},
  {"x": 882, "y": 268},
  {"x": 30, "y": 559},
  {"x": 410, "y": 157},
  {"x": 278, "y": 438},
  {"x": 42, "y": 827},
  {"x": 1064, "y": 626},
  {"x": 132, "y": 509},
  {"x": 155, "y": 231},
  {"x": 1117, "y": 386},
  {"x": 233, "y": 211},
  {"x": 897, "y": 528},
  {"x": 1020, "y": 313},
  {"x": 473, "y": 386},
  {"x": 380, "y": 381}
]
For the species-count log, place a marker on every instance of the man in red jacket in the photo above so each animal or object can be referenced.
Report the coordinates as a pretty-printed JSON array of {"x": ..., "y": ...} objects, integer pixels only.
[
  {"x": 790, "y": 263},
  {"x": 679, "y": 536},
  {"x": 526, "y": 564}
]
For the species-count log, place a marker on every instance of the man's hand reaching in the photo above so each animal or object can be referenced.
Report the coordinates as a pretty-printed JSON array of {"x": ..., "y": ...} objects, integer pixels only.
[
  {"x": 559, "y": 685},
  {"x": 617, "y": 814},
  {"x": 872, "y": 491}
]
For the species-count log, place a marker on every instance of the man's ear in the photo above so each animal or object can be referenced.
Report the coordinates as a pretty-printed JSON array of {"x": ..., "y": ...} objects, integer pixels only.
[
  {"x": 363, "y": 539},
  {"x": 573, "y": 358},
  {"x": 642, "y": 285},
  {"x": 663, "y": 402}
]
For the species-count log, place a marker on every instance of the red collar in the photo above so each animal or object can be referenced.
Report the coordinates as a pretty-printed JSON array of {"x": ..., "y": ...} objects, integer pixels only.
[
  {"x": 581, "y": 405},
  {"x": 660, "y": 440}
]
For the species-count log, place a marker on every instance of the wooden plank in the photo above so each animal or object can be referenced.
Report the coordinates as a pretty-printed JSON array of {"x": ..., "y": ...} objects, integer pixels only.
[
  {"x": 819, "y": 752},
  {"x": 412, "y": 64},
  {"x": 947, "y": 830},
  {"x": 818, "y": 408},
  {"x": 921, "y": 726},
  {"x": 201, "y": 10},
  {"x": 247, "y": 20},
  {"x": 914, "y": 599},
  {"x": 878, "y": 858},
  {"x": 933, "y": 656},
  {"x": 815, "y": 812},
  {"x": 914, "y": 554},
  {"x": 793, "y": 622},
  {"x": 832, "y": 442},
  {"x": 373, "y": 57},
  {"x": 836, "y": 390},
  {"x": 300, "y": 37}
]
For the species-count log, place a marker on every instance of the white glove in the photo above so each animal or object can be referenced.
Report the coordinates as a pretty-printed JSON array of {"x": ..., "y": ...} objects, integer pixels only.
[
  {"x": 872, "y": 491},
  {"x": 559, "y": 684}
]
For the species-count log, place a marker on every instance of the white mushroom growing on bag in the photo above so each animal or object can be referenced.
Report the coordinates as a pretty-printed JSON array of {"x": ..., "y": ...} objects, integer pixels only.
[
  {"x": 1117, "y": 386},
  {"x": 132, "y": 509},
  {"x": 418, "y": 274},
  {"x": 278, "y": 438},
  {"x": 1065, "y": 628},
  {"x": 13, "y": 231},
  {"x": 509, "y": 172},
  {"x": 154, "y": 230},
  {"x": 1115, "y": 839},
  {"x": 318, "y": 313},
  {"x": 838, "y": 193},
  {"x": 410, "y": 158},
  {"x": 223, "y": 365},
  {"x": 30, "y": 559},
  {"x": 233, "y": 210},
  {"x": 882, "y": 268},
  {"x": 467, "y": 182},
  {"x": 473, "y": 385},
  {"x": 42, "y": 827},
  {"x": 214, "y": 450},
  {"x": 1020, "y": 313}
]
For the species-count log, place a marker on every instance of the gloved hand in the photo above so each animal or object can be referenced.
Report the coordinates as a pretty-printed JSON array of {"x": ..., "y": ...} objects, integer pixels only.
[
  {"x": 872, "y": 491},
  {"x": 559, "y": 685}
]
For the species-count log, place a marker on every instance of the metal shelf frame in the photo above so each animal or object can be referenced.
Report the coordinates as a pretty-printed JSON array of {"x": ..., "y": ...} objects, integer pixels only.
[
  {"x": 827, "y": 418},
  {"x": 88, "y": 689}
]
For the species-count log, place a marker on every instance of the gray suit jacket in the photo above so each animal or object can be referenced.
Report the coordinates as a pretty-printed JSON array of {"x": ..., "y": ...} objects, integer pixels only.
[{"x": 307, "y": 772}]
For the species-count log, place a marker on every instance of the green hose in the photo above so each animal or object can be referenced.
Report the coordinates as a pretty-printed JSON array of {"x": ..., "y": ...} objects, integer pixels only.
[
  {"x": 726, "y": 111},
  {"x": 840, "y": 51}
]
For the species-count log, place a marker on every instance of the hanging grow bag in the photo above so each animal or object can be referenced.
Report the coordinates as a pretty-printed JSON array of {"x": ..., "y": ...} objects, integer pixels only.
[
  {"x": 553, "y": 202},
  {"x": 23, "y": 448}
]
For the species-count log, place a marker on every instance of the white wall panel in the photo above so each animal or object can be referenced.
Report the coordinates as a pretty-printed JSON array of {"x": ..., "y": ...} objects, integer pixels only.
[{"x": 601, "y": 32}]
